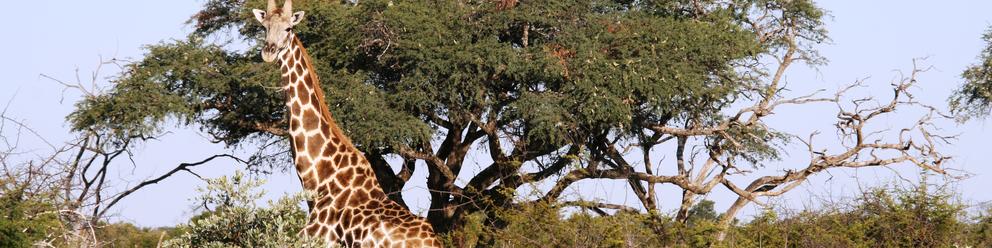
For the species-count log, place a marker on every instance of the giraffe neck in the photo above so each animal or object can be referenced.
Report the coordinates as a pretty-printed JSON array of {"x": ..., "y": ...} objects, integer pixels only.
[
  {"x": 349, "y": 208},
  {"x": 326, "y": 160}
]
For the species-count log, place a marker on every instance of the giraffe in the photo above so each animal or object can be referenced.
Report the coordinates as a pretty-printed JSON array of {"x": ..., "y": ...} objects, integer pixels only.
[{"x": 349, "y": 208}]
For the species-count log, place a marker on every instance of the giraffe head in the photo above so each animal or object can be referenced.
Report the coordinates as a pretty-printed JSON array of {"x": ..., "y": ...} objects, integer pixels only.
[{"x": 278, "y": 23}]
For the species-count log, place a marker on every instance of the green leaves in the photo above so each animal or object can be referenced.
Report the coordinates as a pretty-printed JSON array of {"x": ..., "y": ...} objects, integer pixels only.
[
  {"x": 545, "y": 225},
  {"x": 24, "y": 218},
  {"x": 237, "y": 221},
  {"x": 391, "y": 68},
  {"x": 189, "y": 82},
  {"x": 535, "y": 77},
  {"x": 974, "y": 98}
]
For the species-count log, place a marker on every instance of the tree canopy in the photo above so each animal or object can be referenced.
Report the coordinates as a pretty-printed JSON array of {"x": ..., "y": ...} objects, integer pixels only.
[
  {"x": 551, "y": 91},
  {"x": 974, "y": 98}
]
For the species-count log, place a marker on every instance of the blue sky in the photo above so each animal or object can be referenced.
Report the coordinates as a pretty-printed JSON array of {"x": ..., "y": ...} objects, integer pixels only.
[{"x": 870, "y": 39}]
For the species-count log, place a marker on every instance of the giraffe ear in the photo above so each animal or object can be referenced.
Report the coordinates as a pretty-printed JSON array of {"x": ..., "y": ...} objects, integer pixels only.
[
  {"x": 259, "y": 14},
  {"x": 297, "y": 18}
]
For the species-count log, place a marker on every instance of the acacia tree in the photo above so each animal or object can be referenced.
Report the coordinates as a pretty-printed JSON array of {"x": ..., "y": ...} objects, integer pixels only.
[
  {"x": 974, "y": 98},
  {"x": 552, "y": 92}
]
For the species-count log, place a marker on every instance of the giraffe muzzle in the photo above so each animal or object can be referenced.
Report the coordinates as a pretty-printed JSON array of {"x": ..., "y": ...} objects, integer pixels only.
[{"x": 269, "y": 52}]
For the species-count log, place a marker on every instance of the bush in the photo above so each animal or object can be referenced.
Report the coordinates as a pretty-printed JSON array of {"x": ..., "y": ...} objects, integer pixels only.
[
  {"x": 981, "y": 232},
  {"x": 543, "y": 225},
  {"x": 24, "y": 219},
  {"x": 128, "y": 235},
  {"x": 882, "y": 217},
  {"x": 236, "y": 221}
]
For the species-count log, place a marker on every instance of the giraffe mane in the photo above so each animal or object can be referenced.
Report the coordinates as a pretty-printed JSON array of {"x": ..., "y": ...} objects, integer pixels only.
[{"x": 315, "y": 80}]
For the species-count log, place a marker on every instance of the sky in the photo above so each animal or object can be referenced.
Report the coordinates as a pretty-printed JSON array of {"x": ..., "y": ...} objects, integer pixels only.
[{"x": 870, "y": 39}]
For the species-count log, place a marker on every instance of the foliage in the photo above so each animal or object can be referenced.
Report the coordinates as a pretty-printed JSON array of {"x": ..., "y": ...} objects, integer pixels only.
[
  {"x": 700, "y": 227},
  {"x": 407, "y": 64},
  {"x": 554, "y": 92},
  {"x": 233, "y": 219},
  {"x": 125, "y": 234},
  {"x": 914, "y": 218},
  {"x": 528, "y": 81},
  {"x": 544, "y": 225},
  {"x": 190, "y": 78},
  {"x": 920, "y": 216},
  {"x": 881, "y": 217},
  {"x": 974, "y": 98},
  {"x": 24, "y": 218},
  {"x": 31, "y": 218},
  {"x": 702, "y": 211},
  {"x": 981, "y": 233}
]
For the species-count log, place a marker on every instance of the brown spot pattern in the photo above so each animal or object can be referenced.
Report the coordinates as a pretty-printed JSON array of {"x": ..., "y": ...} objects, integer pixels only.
[
  {"x": 350, "y": 206},
  {"x": 314, "y": 143},
  {"x": 310, "y": 121},
  {"x": 324, "y": 169}
]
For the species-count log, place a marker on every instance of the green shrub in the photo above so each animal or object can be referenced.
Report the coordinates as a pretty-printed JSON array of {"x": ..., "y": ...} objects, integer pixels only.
[
  {"x": 883, "y": 217},
  {"x": 123, "y": 235},
  {"x": 915, "y": 218},
  {"x": 236, "y": 221},
  {"x": 981, "y": 232},
  {"x": 24, "y": 219},
  {"x": 543, "y": 225}
]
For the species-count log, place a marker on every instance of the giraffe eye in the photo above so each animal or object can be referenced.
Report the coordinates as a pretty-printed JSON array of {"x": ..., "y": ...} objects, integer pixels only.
[{"x": 288, "y": 29}]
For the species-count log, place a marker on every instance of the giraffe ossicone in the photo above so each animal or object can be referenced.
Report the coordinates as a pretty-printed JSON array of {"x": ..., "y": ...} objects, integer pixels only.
[{"x": 349, "y": 208}]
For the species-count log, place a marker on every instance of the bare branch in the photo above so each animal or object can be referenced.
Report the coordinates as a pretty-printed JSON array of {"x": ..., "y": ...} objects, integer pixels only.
[
  {"x": 598, "y": 206},
  {"x": 182, "y": 167}
]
